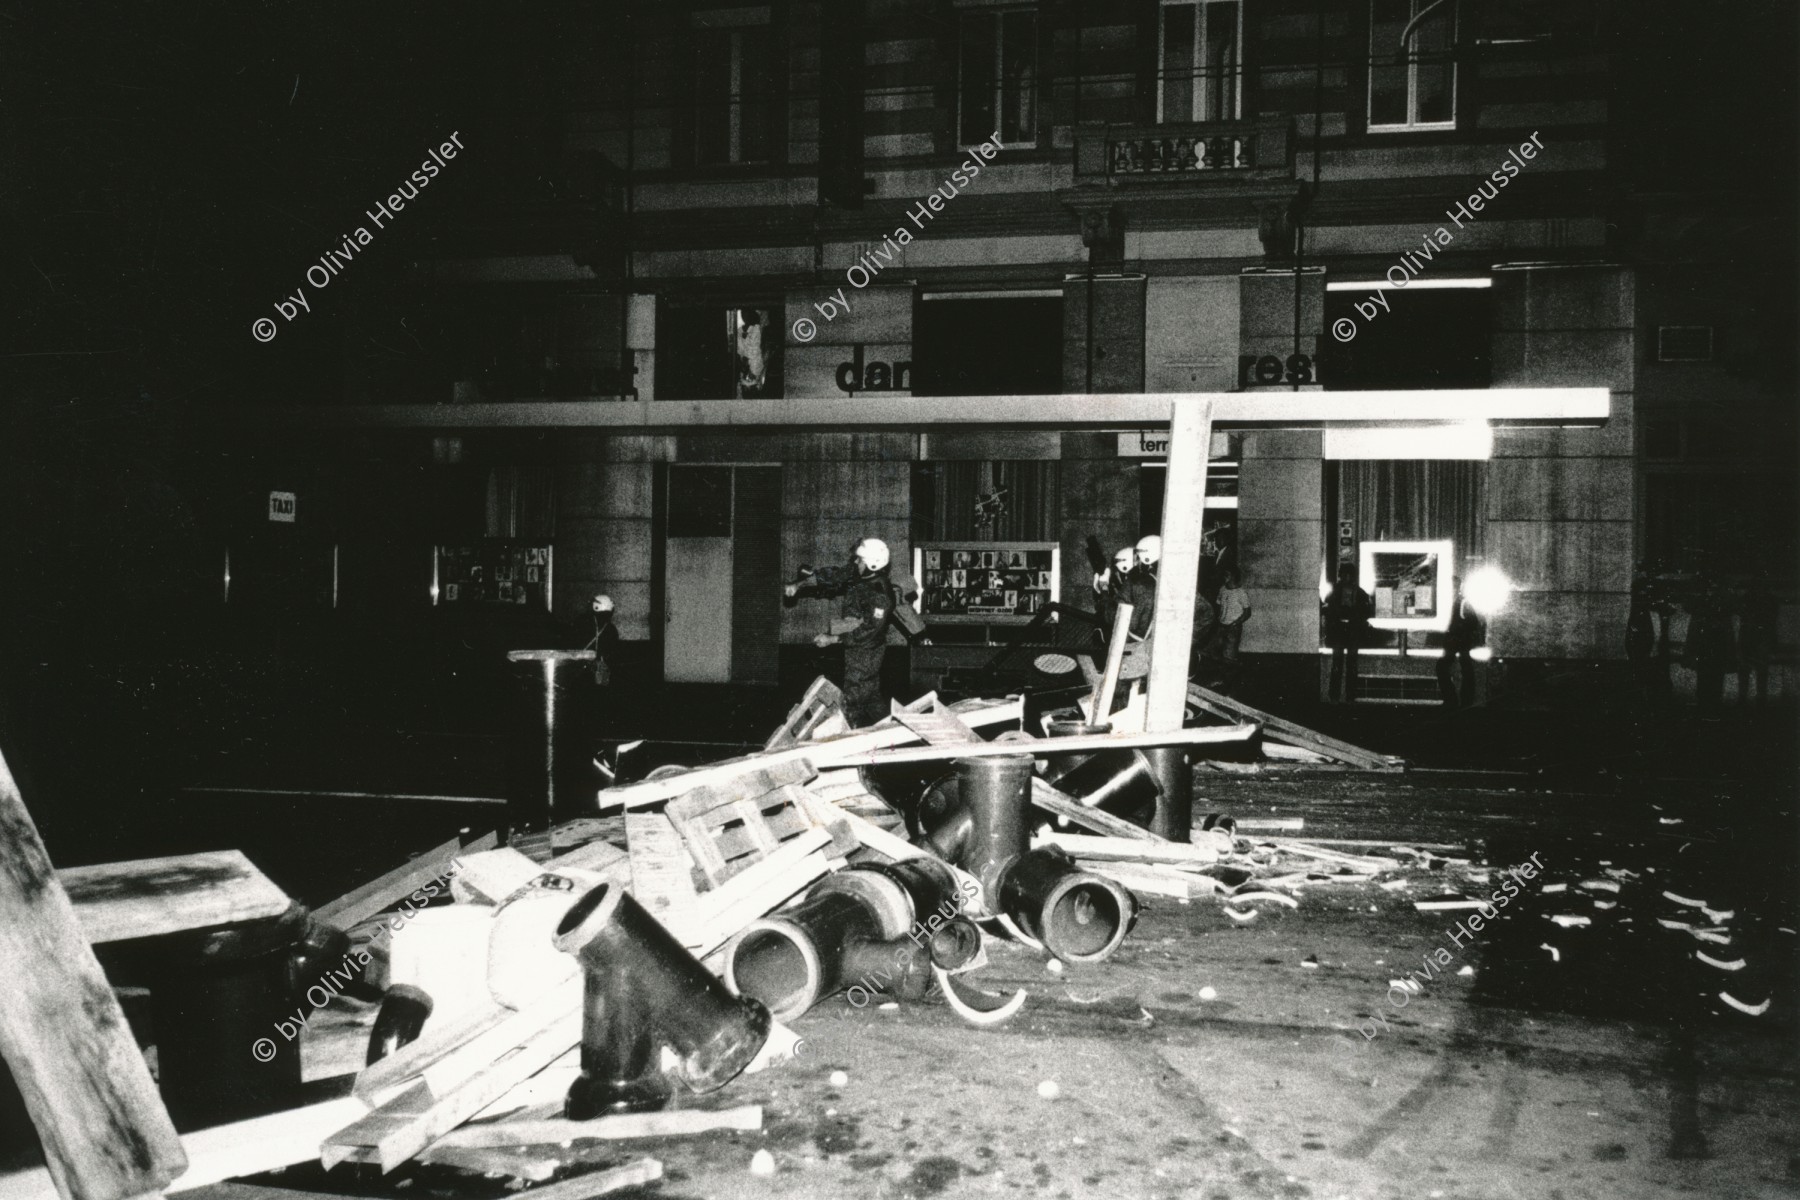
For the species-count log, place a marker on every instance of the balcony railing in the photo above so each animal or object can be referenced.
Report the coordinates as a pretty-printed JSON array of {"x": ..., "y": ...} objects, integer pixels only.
[{"x": 1225, "y": 148}]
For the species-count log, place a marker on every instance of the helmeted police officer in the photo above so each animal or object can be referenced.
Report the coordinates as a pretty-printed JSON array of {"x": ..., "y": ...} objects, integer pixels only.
[{"x": 869, "y": 601}]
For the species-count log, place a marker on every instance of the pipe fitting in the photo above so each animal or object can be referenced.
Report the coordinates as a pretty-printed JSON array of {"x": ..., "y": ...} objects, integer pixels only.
[
  {"x": 644, "y": 991},
  {"x": 1079, "y": 916},
  {"x": 995, "y": 793}
]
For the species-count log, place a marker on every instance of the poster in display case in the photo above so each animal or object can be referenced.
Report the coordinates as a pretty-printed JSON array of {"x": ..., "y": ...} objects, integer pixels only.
[
  {"x": 991, "y": 583},
  {"x": 1407, "y": 582}
]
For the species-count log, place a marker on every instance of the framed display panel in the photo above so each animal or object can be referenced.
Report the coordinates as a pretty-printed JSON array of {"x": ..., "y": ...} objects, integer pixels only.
[
  {"x": 1409, "y": 583},
  {"x": 986, "y": 583},
  {"x": 495, "y": 572}
]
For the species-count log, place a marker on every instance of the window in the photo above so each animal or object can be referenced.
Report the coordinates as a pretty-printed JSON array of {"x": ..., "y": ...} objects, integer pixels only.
[
  {"x": 734, "y": 74},
  {"x": 1201, "y": 57},
  {"x": 997, "y": 77},
  {"x": 1414, "y": 88},
  {"x": 715, "y": 352}
]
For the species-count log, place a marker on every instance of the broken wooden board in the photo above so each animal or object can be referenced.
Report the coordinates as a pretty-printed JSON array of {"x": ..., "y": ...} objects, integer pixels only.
[
  {"x": 1128, "y": 850},
  {"x": 1141, "y": 879},
  {"x": 818, "y": 754},
  {"x": 355, "y": 907},
  {"x": 1070, "y": 809},
  {"x": 676, "y": 1123},
  {"x": 1230, "y": 709},
  {"x": 937, "y": 727},
  {"x": 438, "y": 1040},
  {"x": 1047, "y": 747},
  {"x": 149, "y": 896},
  {"x": 99, "y": 1117},
  {"x": 601, "y": 1183}
]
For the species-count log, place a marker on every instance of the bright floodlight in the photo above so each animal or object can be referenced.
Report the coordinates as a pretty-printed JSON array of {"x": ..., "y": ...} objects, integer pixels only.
[{"x": 1487, "y": 590}]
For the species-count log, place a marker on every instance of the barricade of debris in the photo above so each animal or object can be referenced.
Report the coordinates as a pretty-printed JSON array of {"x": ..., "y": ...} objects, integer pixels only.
[{"x": 581, "y": 978}]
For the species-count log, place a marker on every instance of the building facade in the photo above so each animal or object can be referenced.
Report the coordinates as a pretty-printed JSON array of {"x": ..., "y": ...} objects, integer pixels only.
[{"x": 964, "y": 198}]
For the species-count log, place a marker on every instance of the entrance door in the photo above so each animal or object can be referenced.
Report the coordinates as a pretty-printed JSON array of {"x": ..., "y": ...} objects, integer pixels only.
[
  {"x": 697, "y": 637},
  {"x": 722, "y": 565}
]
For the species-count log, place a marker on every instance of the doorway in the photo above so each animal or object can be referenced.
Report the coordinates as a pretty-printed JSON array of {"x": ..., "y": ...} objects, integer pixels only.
[{"x": 722, "y": 575}]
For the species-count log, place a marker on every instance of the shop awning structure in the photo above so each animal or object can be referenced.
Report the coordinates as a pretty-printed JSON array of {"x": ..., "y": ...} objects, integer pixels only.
[{"x": 1501, "y": 407}]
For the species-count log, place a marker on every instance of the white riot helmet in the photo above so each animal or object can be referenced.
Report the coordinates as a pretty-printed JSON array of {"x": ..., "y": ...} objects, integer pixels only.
[
  {"x": 1149, "y": 550},
  {"x": 603, "y": 603},
  {"x": 872, "y": 554},
  {"x": 1125, "y": 559}
]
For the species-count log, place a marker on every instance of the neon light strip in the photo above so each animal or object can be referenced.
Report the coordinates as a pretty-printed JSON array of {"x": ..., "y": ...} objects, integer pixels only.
[{"x": 1382, "y": 285}]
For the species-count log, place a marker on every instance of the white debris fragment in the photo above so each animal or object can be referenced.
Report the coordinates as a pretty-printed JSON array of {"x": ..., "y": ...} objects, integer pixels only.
[
  {"x": 1736, "y": 964},
  {"x": 1555, "y": 954},
  {"x": 1466, "y": 971},
  {"x": 1209, "y": 993},
  {"x": 762, "y": 1164},
  {"x": 1755, "y": 1010},
  {"x": 890, "y": 1006},
  {"x": 1553, "y": 888},
  {"x": 839, "y": 1078},
  {"x": 1241, "y": 917},
  {"x": 1666, "y": 923},
  {"x": 1717, "y": 916},
  {"x": 1571, "y": 922},
  {"x": 1684, "y": 900},
  {"x": 1600, "y": 885},
  {"x": 1716, "y": 936},
  {"x": 1393, "y": 885},
  {"x": 1048, "y": 1090},
  {"x": 1054, "y": 966},
  {"x": 1606, "y": 904},
  {"x": 1668, "y": 820}
]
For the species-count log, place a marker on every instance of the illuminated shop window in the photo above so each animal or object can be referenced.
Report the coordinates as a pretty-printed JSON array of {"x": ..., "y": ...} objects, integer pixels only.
[{"x": 708, "y": 351}]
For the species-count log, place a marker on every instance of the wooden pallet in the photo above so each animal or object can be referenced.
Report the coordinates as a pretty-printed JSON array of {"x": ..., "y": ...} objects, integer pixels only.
[
  {"x": 727, "y": 833},
  {"x": 812, "y": 716}
]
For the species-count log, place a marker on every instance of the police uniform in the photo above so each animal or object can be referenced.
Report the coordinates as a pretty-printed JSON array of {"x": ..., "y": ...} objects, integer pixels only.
[{"x": 869, "y": 600}]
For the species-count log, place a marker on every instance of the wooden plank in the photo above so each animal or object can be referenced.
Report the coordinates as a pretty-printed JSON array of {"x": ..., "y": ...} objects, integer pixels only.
[
  {"x": 491, "y": 876},
  {"x": 601, "y": 856},
  {"x": 753, "y": 893},
  {"x": 834, "y": 752},
  {"x": 1178, "y": 575},
  {"x": 355, "y": 907},
  {"x": 662, "y": 876},
  {"x": 438, "y": 1040},
  {"x": 404, "y": 1126},
  {"x": 1107, "y": 688},
  {"x": 1232, "y": 709},
  {"x": 100, "y": 1120},
  {"x": 602, "y": 1183},
  {"x": 226, "y": 1151},
  {"x": 937, "y": 728},
  {"x": 875, "y": 838},
  {"x": 1069, "y": 808},
  {"x": 1131, "y": 850},
  {"x": 1046, "y": 747},
  {"x": 150, "y": 896},
  {"x": 679, "y": 1123},
  {"x": 1145, "y": 882}
]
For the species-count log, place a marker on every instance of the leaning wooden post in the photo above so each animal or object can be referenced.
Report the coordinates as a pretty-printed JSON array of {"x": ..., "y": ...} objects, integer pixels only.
[
  {"x": 1178, "y": 578},
  {"x": 1115, "y": 660},
  {"x": 105, "y": 1133}
]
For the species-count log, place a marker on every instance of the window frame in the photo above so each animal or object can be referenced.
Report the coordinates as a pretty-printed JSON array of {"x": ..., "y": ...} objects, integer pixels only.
[
  {"x": 731, "y": 25},
  {"x": 1198, "y": 7},
  {"x": 998, "y": 14},
  {"x": 1412, "y": 124}
]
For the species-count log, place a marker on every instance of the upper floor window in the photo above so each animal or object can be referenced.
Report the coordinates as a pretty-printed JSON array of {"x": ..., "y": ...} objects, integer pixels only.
[
  {"x": 1201, "y": 61},
  {"x": 1414, "y": 88},
  {"x": 734, "y": 83},
  {"x": 997, "y": 77}
]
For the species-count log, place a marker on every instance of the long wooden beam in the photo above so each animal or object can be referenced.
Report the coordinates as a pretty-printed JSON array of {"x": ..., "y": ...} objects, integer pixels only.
[
  {"x": 99, "y": 1118},
  {"x": 1526, "y": 407},
  {"x": 1044, "y": 747},
  {"x": 1178, "y": 578}
]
